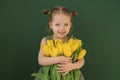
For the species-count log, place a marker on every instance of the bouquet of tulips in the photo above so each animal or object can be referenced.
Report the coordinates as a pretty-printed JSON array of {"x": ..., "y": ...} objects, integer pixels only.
[{"x": 72, "y": 48}]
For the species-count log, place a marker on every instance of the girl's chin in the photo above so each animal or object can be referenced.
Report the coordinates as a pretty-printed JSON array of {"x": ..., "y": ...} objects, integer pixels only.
[{"x": 62, "y": 36}]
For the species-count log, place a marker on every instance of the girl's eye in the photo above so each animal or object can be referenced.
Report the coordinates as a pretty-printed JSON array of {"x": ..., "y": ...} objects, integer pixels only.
[
  {"x": 66, "y": 24},
  {"x": 57, "y": 24}
]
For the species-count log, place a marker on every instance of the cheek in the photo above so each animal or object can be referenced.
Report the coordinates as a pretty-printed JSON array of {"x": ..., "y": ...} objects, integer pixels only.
[
  {"x": 50, "y": 27},
  {"x": 70, "y": 28}
]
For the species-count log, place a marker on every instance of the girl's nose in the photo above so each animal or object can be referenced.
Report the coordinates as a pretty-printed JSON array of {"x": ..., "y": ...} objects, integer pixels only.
[{"x": 62, "y": 27}]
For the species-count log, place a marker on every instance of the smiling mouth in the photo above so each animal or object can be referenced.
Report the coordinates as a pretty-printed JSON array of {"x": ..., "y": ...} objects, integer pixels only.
[{"x": 61, "y": 33}]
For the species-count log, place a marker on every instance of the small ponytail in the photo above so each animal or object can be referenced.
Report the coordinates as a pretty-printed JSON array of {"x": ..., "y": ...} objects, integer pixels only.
[
  {"x": 59, "y": 9},
  {"x": 47, "y": 12},
  {"x": 74, "y": 13}
]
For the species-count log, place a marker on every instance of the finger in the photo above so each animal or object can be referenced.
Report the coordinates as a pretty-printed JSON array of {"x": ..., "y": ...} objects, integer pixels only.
[
  {"x": 61, "y": 70},
  {"x": 61, "y": 65},
  {"x": 65, "y": 73}
]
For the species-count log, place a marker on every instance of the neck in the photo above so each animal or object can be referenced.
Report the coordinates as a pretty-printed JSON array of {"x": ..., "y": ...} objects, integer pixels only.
[{"x": 64, "y": 38}]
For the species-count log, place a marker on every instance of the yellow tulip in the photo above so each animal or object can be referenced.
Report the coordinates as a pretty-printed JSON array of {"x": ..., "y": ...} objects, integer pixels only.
[
  {"x": 82, "y": 54},
  {"x": 58, "y": 41},
  {"x": 46, "y": 50},
  {"x": 59, "y": 44},
  {"x": 77, "y": 42},
  {"x": 74, "y": 43},
  {"x": 60, "y": 49},
  {"x": 50, "y": 43},
  {"x": 67, "y": 51},
  {"x": 54, "y": 52}
]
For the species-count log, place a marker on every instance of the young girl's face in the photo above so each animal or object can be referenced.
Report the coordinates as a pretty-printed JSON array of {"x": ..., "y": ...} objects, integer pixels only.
[{"x": 60, "y": 24}]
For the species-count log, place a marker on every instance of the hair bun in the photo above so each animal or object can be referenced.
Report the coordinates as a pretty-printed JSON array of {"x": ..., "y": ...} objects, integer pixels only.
[
  {"x": 74, "y": 13},
  {"x": 46, "y": 12}
]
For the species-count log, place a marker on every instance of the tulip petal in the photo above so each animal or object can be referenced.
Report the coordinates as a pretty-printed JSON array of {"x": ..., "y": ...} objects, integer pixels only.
[{"x": 82, "y": 54}]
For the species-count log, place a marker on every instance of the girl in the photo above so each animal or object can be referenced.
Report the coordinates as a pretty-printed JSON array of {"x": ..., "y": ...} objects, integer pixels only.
[{"x": 60, "y": 23}]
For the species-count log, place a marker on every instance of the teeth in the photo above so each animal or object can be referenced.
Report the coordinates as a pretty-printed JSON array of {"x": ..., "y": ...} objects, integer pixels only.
[{"x": 61, "y": 32}]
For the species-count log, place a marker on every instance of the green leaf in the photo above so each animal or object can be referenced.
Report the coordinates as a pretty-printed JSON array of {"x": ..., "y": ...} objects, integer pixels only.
[
  {"x": 54, "y": 72},
  {"x": 75, "y": 55},
  {"x": 76, "y": 74},
  {"x": 64, "y": 77},
  {"x": 45, "y": 69},
  {"x": 40, "y": 76},
  {"x": 50, "y": 74},
  {"x": 59, "y": 75},
  {"x": 72, "y": 76},
  {"x": 69, "y": 76}
]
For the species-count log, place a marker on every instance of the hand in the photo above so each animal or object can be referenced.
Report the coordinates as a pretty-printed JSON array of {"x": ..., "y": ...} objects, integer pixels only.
[
  {"x": 63, "y": 59},
  {"x": 64, "y": 68}
]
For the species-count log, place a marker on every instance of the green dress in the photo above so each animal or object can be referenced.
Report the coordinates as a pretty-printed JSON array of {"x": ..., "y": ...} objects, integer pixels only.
[{"x": 81, "y": 75}]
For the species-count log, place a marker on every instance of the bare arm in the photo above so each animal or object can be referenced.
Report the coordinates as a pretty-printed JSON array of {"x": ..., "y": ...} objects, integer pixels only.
[
  {"x": 45, "y": 61},
  {"x": 78, "y": 64}
]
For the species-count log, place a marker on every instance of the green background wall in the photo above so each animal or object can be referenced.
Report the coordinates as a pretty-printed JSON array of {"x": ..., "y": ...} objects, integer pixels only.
[{"x": 22, "y": 25}]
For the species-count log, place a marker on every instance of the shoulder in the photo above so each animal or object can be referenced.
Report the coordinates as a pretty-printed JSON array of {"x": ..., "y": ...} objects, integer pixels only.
[{"x": 43, "y": 40}]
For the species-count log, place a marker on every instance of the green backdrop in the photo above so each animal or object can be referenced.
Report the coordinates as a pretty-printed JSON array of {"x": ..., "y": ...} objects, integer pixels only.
[{"x": 22, "y": 25}]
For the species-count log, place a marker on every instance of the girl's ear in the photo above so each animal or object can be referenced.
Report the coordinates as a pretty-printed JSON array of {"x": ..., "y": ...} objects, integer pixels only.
[{"x": 50, "y": 25}]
